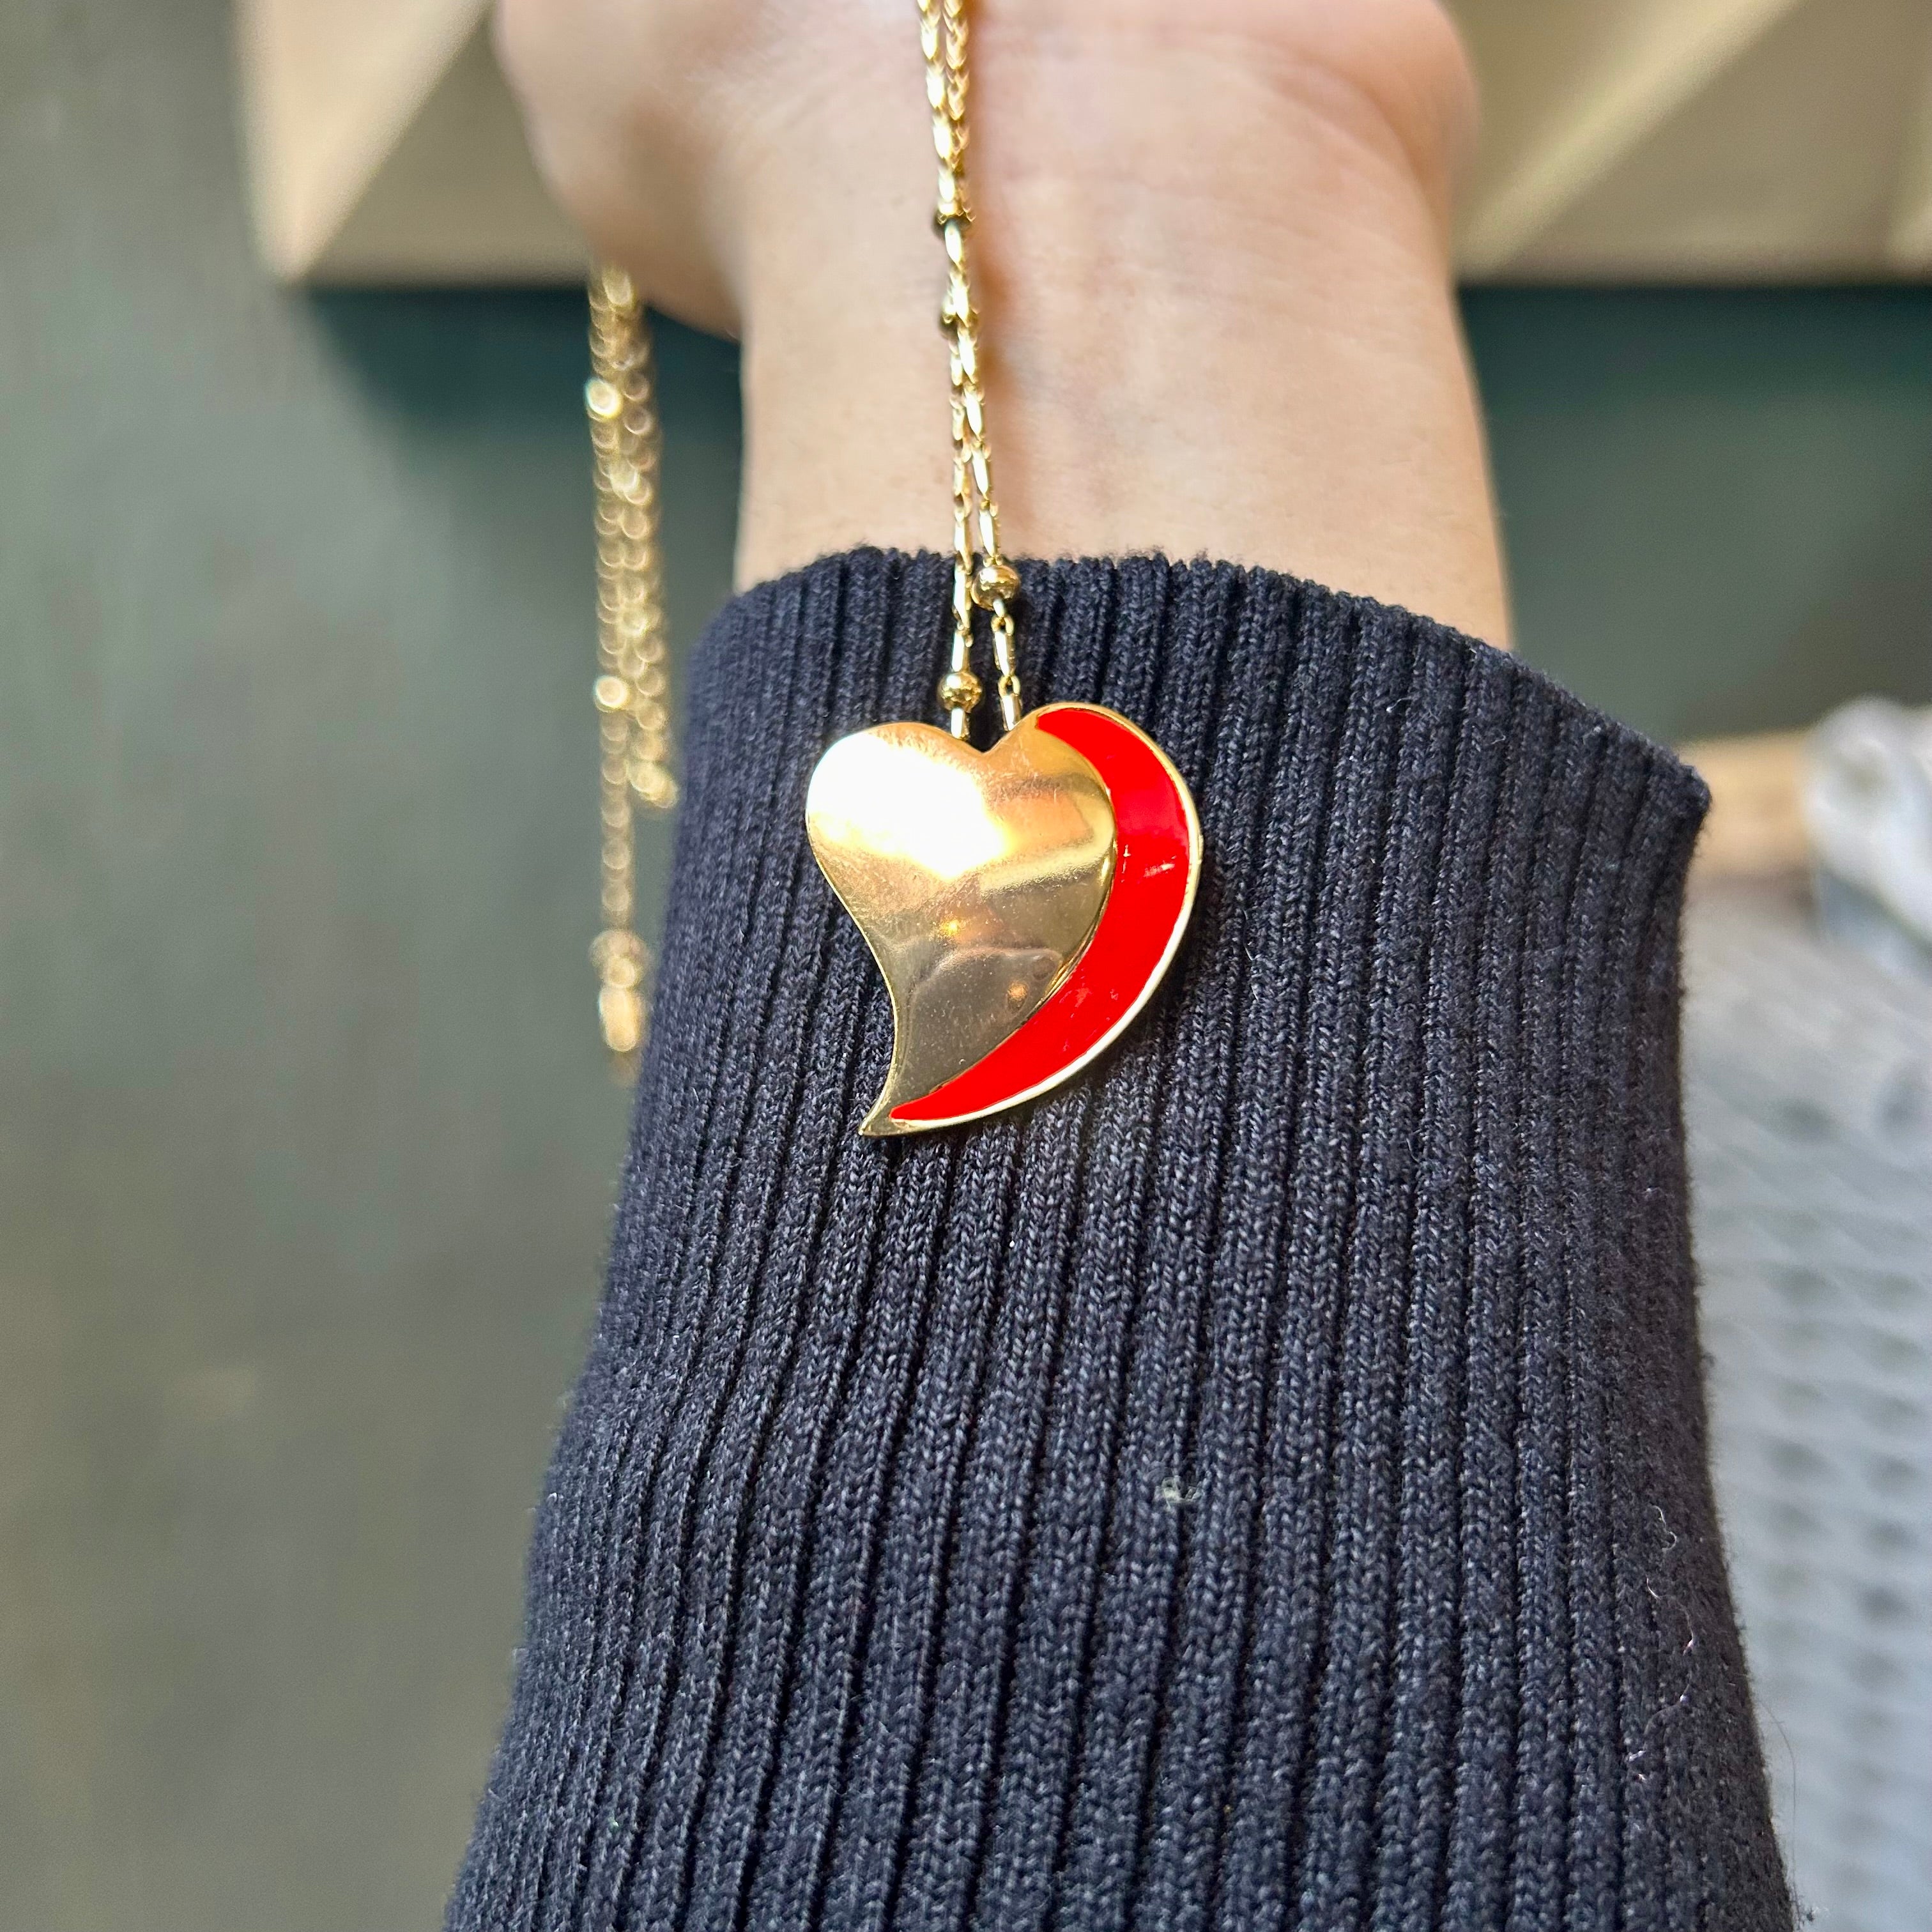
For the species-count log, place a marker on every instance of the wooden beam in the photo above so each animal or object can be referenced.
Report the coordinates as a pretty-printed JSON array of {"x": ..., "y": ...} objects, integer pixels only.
[
  {"x": 1570, "y": 87},
  {"x": 1784, "y": 165},
  {"x": 1909, "y": 243},
  {"x": 328, "y": 91},
  {"x": 1625, "y": 140},
  {"x": 457, "y": 199},
  {"x": 1757, "y": 826}
]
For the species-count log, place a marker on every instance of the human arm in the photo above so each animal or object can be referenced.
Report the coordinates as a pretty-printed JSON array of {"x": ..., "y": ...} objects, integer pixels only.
[
  {"x": 1263, "y": 1485},
  {"x": 1214, "y": 244}
]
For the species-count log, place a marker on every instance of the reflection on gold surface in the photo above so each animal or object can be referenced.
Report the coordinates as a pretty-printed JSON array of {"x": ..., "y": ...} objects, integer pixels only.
[{"x": 976, "y": 877}]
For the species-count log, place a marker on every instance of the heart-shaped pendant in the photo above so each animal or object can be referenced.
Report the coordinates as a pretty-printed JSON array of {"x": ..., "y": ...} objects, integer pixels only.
[{"x": 1022, "y": 903}]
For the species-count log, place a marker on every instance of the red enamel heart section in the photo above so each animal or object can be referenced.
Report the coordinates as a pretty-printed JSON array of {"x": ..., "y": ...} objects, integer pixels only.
[{"x": 1157, "y": 860}]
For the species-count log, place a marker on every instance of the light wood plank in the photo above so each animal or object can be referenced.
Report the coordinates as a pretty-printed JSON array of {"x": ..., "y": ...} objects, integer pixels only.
[
  {"x": 1783, "y": 166},
  {"x": 1571, "y": 87},
  {"x": 1756, "y": 829},
  {"x": 458, "y": 199},
  {"x": 1647, "y": 140},
  {"x": 329, "y": 87},
  {"x": 1910, "y": 245}
]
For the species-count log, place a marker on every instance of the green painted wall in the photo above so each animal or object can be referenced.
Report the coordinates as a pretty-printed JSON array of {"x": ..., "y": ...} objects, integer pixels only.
[
  {"x": 1718, "y": 504},
  {"x": 305, "y": 1146}
]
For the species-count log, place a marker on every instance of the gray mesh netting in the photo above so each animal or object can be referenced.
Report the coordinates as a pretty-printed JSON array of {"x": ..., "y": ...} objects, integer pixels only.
[{"x": 1809, "y": 1094}]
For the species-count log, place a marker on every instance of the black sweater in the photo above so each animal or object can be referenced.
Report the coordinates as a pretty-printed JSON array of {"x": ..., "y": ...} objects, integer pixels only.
[{"x": 1262, "y": 1485}]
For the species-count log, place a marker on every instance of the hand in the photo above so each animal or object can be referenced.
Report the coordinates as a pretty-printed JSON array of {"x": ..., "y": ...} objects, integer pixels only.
[{"x": 1212, "y": 241}]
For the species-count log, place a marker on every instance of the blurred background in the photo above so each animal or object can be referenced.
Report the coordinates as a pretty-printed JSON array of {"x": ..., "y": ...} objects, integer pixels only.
[{"x": 306, "y": 1145}]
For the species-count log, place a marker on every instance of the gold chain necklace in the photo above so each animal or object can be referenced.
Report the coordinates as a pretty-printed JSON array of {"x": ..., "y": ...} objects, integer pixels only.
[
  {"x": 981, "y": 577},
  {"x": 632, "y": 691},
  {"x": 1022, "y": 903}
]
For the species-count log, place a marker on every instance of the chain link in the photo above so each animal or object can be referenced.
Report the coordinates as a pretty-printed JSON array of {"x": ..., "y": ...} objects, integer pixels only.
[
  {"x": 632, "y": 691},
  {"x": 981, "y": 577}
]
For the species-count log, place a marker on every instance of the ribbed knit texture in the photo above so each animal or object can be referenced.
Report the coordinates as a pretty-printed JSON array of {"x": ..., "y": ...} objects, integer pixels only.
[{"x": 1263, "y": 1485}]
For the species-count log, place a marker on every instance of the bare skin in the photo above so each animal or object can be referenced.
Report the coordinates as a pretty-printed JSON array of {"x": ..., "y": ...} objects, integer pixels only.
[{"x": 1212, "y": 236}]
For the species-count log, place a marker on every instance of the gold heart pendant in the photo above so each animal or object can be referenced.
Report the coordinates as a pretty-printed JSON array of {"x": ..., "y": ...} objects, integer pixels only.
[{"x": 1022, "y": 903}]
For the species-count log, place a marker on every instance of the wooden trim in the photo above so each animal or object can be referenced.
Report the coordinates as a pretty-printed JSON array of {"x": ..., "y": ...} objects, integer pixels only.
[
  {"x": 1625, "y": 139},
  {"x": 1757, "y": 826}
]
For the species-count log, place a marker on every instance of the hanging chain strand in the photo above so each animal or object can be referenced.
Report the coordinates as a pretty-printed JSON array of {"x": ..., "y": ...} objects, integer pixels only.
[
  {"x": 981, "y": 577},
  {"x": 632, "y": 688},
  {"x": 632, "y": 691}
]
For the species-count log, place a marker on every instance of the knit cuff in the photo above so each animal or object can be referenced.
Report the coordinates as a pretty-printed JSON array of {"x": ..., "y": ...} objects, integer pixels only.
[{"x": 1261, "y": 1483}]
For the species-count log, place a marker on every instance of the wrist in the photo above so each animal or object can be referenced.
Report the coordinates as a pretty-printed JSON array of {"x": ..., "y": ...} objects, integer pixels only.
[{"x": 1213, "y": 273}]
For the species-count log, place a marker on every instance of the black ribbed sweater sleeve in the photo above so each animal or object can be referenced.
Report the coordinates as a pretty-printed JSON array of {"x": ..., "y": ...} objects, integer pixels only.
[{"x": 1263, "y": 1485}]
